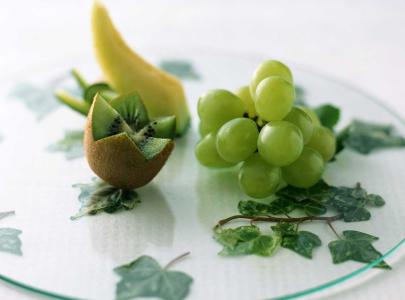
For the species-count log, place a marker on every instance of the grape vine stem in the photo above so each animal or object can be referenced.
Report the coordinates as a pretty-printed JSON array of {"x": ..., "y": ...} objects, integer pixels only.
[
  {"x": 173, "y": 261},
  {"x": 280, "y": 219}
]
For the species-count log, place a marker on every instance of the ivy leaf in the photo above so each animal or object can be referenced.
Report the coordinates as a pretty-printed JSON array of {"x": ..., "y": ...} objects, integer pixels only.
[
  {"x": 40, "y": 98},
  {"x": 356, "y": 214},
  {"x": 320, "y": 192},
  {"x": 300, "y": 96},
  {"x": 10, "y": 241},
  {"x": 246, "y": 240},
  {"x": 99, "y": 196},
  {"x": 290, "y": 192},
  {"x": 350, "y": 202},
  {"x": 282, "y": 206},
  {"x": 5, "y": 214},
  {"x": 180, "y": 68},
  {"x": 365, "y": 137},
  {"x": 328, "y": 115},
  {"x": 253, "y": 208},
  {"x": 313, "y": 208},
  {"x": 301, "y": 242},
  {"x": 284, "y": 228},
  {"x": 71, "y": 144},
  {"x": 375, "y": 200},
  {"x": 144, "y": 277},
  {"x": 276, "y": 207},
  {"x": 356, "y": 245}
]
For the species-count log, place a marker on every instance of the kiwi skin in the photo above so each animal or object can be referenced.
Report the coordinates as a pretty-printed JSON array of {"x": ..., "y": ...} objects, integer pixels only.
[{"x": 118, "y": 161}]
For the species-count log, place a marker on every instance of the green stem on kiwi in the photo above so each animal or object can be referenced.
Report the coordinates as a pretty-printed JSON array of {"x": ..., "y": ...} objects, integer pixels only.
[
  {"x": 73, "y": 102},
  {"x": 79, "y": 79}
]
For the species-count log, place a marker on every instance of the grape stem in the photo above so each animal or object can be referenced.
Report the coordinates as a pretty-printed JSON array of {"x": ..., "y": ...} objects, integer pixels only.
[
  {"x": 333, "y": 229},
  {"x": 280, "y": 219},
  {"x": 173, "y": 261}
]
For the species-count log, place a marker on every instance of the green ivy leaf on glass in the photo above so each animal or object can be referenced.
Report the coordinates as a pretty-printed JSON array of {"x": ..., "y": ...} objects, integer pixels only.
[
  {"x": 328, "y": 115},
  {"x": 320, "y": 192},
  {"x": 39, "y": 98},
  {"x": 180, "y": 68},
  {"x": 350, "y": 202},
  {"x": 71, "y": 144},
  {"x": 253, "y": 208},
  {"x": 375, "y": 200},
  {"x": 10, "y": 241},
  {"x": 281, "y": 206},
  {"x": 365, "y": 137},
  {"x": 276, "y": 207},
  {"x": 144, "y": 277},
  {"x": 246, "y": 240},
  {"x": 313, "y": 208},
  {"x": 9, "y": 237},
  {"x": 6, "y": 214},
  {"x": 301, "y": 242},
  {"x": 99, "y": 196},
  {"x": 300, "y": 96},
  {"x": 356, "y": 246}
]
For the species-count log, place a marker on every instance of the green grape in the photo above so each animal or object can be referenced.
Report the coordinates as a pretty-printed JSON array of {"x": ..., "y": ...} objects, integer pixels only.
[
  {"x": 267, "y": 69},
  {"x": 314, "y": 117},
  {"x": 258, "y": 179},
  {"x": 203, "y": 129},
  {"x": 306, "y": 170},
  {"x": 237, "y": 139},
  {"x": 216, "y": 107},
  {"x": 274, "y": 98},
  {"x": 244, "y": 94},
  {"x": 206, "y": 152},
  {"x": 304, "y": 122},
  {"x": 280, "y": 143},
  {"x": 323, "y": 140}
]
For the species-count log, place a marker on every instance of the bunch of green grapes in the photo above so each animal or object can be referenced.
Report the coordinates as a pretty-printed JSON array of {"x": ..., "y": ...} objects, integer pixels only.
[{"x": 260, "y": 128}]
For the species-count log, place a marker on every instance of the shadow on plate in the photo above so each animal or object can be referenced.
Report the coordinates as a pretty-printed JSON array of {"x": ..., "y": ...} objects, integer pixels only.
[
  {"x": 218, "y": 194},
  {"x": 126, "y": 235}
]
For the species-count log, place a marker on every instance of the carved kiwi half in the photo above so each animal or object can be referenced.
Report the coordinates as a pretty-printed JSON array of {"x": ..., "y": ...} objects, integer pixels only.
[{"x": 120, "y": 144}]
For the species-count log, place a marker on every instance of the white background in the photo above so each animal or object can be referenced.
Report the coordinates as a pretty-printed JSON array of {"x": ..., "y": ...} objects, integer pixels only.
[{"x": 362, "y": 42}]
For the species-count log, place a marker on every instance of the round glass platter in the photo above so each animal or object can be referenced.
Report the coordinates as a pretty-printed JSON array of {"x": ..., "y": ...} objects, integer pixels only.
[{"x": 75, "y": 259}]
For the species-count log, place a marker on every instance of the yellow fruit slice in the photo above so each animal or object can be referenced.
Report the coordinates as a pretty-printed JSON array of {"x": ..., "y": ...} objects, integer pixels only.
[{"x": 126, "y": 71}]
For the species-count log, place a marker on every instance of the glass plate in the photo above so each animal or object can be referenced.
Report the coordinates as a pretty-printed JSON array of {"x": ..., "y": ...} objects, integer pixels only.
[{"x": 183, "y": 203}]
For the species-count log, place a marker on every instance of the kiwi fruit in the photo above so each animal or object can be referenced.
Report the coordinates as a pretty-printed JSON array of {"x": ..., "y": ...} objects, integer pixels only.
[
  {"x": 163, "y": 127},
  {"x": 131, "y": 108},
  {"x": 99, "y": 87},
  {"x": 119, "y": 147}
]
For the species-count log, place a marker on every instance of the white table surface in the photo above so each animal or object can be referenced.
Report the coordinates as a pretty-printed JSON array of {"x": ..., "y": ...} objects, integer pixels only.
[{"x": 362, "y": 42}]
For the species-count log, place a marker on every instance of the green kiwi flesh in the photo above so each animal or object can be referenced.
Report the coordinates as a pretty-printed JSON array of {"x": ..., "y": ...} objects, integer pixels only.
[
  {"x": 151, "y": 147},
  {"x": 164, "y": 127},
  {"x": 106, "y": 120},
  {"x": 112, "y": 118},
  {"x": 132, "y": 110}
]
